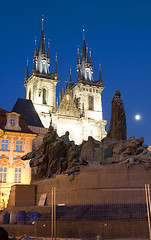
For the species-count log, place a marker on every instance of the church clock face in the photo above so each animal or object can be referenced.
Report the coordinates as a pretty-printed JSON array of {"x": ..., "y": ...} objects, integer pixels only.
[{"x": 12, "y": 121}]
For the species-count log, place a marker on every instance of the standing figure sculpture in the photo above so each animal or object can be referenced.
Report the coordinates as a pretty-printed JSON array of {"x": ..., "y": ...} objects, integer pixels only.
[{"x": 117, "y": 129}]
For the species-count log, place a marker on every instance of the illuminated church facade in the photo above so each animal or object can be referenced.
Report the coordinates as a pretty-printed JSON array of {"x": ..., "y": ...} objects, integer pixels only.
[{"x": 79, "y": 109}]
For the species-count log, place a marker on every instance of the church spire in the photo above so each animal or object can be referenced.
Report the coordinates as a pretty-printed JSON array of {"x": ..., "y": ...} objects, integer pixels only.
[
  {"x": 42, "y": 58},
  {"x": 86, "y": 69},
  {"x": 84, "y": 51}
]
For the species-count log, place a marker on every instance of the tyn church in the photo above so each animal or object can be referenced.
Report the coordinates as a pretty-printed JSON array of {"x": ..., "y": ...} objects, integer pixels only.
[{"x": 79, "y": 109}]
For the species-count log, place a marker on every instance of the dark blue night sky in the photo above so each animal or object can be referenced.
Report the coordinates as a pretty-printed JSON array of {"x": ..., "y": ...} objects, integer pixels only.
[{"x": 118, "y": 32}]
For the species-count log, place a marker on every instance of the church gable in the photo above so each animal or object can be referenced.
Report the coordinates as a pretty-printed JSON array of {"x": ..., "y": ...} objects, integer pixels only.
[{"x": 67, "y": 106}]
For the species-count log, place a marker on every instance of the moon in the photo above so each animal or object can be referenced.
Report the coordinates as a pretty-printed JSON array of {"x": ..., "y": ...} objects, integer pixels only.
[{"x": 137, "y": 117}]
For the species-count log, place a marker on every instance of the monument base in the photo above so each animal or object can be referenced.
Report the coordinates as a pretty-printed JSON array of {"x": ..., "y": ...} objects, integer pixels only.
[{"x": 105, "y": 200}]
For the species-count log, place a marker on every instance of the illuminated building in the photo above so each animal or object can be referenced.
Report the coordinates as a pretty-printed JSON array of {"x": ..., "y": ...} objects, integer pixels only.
[
  {"x": 80, "y": 109},
  {"x": 15, "y": 141}
]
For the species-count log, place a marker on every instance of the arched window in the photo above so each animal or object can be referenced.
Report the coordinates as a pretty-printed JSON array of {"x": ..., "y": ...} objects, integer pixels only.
[
  {"x": 44, "y": 96},
  {"x": 30, "y": 94},
  {"x": 91, "y": 104}
]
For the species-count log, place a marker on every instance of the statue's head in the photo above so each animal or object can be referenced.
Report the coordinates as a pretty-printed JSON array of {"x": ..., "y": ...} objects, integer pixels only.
[
  {"x": 67, "y": 133},
  {"x": 117, "y": 93}
]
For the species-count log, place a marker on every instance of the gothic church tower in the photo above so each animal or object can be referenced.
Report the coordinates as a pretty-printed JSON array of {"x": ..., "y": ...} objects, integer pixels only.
[
  {"x": 80, "y": 110},
  {"x": 41, "y": 86},
  {"x": 87, "y": 91}
]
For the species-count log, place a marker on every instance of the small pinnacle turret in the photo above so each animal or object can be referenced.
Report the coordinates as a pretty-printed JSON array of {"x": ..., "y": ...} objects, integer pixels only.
[
  {"x": 90, "y": 58},
  {"x": 27, "y": 74},
  {"x": 100, "y": 76},
  {"x": 35, "y": 59},
  {"x": 70, "y": 79},
  {"x": 79, "y": 74},
  {"x": 48, "y": 52},
  {"x": 56, "y": 69},
  {"x": 78, "y": 60}
]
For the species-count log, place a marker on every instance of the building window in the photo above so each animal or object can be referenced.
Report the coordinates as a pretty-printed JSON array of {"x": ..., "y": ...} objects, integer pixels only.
[
  {"x": 19, "y": 146},
  {"x": 4, "y": 145},
  {"x": 3, "y": 173},
  {"x": 17, "y": 178},
  {"x": 90, "y": 103},
  {"x": 44, "y": 96}
]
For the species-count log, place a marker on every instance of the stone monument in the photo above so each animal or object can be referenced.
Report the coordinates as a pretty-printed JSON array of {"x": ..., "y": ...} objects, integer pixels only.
[{"x": 99, "y": 185}]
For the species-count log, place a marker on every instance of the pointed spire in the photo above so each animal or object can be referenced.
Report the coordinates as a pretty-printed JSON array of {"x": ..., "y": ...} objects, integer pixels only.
[
  {"x": 42, "y": 21},
  {"x": 42, "y": 59},
  {"x": 27, "y": 73},
  {"x": 90, "y": 58},
  {"x": 100, "y": 76},
  {"x": 35, "y": 57},
  {"x": 42, "y": 46},
  {"x": 59, "y": 97},
  {"x": 79, "y": 74},
  {"x": 84, "y": 52},
  {"x": 87, "y": 59},
  {"x": 62, "y": 92},
  {"x": 56, "y": 69},
  {"x": 35, "y": 51},
  {"x": 48, "y": 52},
  {"x": 78, "y": 60},
  {"x": 83, "y": 33},
  {"x": 84, "y": 65}
]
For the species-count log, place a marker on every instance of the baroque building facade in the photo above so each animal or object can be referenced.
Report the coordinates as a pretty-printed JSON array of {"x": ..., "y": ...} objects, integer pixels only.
[
  {"x": 16, "y": 140},
  {"x": 79, "y": 110}
]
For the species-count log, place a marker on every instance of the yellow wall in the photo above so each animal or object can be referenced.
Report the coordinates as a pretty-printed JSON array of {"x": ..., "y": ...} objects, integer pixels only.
[{"x": 12, "y": 159}]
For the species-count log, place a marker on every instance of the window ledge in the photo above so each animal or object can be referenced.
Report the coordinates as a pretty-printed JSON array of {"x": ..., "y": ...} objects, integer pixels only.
[
  {"x": 18, "y": 151},
  {"x": 4, "y": 150}
]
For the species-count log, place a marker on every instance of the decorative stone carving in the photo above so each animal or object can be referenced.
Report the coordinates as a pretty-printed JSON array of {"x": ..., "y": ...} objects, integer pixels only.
[
  {"x": 58, "y": 155},
  {"x": 4, "y": 162},
  {"x": 67, "y": 106},
  {"x": 18, "y": 163}
]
